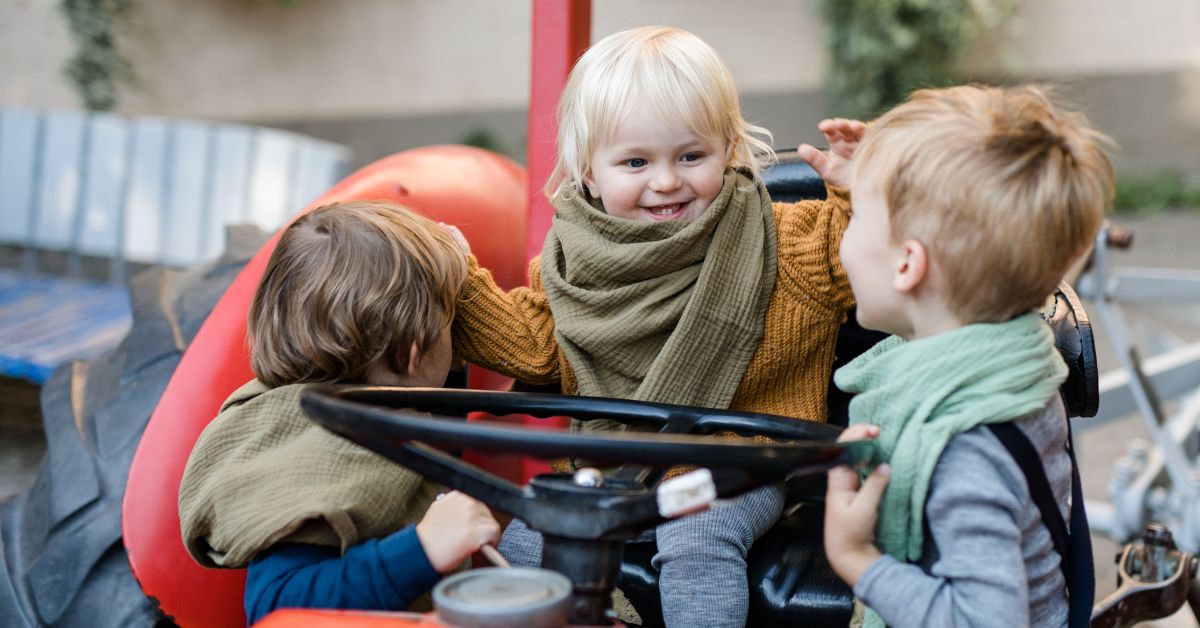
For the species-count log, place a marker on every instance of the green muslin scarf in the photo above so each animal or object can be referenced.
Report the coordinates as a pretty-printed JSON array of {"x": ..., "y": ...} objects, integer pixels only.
[
  {"x": 670, "y": 311},
  {"x": 263, "y": 473},
  {"x": 924, "y": 392}
]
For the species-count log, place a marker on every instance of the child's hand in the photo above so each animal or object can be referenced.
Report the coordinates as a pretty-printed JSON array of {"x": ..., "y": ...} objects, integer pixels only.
[
  {"x": 861, "y": 431},
  {"x": 459, "y": 238},
  {"x": 455, "y": 527},
  {"x": 843, "y": 137},
  {"x": 850, "y": 513}
]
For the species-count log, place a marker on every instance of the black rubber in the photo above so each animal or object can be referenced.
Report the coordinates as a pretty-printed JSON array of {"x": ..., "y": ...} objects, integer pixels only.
[{"x": 62, "y": 561}]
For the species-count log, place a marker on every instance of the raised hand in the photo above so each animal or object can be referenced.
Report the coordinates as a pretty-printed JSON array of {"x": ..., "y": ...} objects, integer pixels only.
[
  {"x": 843, "y": 136},
  {"x": 454, "y": 527}
]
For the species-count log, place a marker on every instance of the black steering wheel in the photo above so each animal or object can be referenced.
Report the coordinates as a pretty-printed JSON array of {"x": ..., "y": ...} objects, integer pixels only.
[{"x": 584, "y": 525}]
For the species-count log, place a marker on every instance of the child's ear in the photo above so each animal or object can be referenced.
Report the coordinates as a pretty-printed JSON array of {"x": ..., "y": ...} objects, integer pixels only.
[
  {"x": 912, "y": 268},
  {"x": 590, "y": 183},
  {"x": 414, "y": 361}
]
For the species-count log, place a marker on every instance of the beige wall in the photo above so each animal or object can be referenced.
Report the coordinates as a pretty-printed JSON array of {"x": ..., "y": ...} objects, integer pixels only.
[
  {"x": 1082, "y": 37},
  {"x": 34, "y": 44},
  {"x": 383, "y": 75},
  {"x": 256, "y": 59}
]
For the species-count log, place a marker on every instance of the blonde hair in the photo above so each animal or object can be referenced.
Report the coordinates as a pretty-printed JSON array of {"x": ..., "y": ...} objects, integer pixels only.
[
  {"x": 1002, "y": 187},
  {"x": 347, "y": 285},
  {"x": 672, "y": 69}
]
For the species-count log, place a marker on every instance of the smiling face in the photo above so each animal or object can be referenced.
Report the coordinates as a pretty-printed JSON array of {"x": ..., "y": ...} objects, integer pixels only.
[{"x": 652, "y": 169}]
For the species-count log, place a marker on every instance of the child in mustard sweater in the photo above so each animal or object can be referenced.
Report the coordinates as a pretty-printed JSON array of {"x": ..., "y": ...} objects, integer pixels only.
[{"x": 669, "y": 276}]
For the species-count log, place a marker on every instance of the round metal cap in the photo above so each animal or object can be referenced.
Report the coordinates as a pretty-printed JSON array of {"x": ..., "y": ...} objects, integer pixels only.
[{"x": 521, "y": 597}]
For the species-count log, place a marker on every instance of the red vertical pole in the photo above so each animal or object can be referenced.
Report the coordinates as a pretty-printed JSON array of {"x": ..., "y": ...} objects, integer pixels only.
[{"x": 561, "y": 32}]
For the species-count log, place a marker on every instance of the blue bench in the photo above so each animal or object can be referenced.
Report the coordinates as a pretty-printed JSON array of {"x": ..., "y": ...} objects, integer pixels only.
[{"x": 81, "y": 191}]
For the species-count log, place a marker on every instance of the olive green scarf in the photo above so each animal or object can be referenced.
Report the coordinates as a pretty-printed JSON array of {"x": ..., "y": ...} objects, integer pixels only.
[
  {"x": 262, "y": 474},
  {"x": 668, "y": 312}
]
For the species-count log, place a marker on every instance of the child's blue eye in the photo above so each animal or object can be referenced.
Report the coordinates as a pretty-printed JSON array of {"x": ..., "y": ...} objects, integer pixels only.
[
  {"x": 636, "y": 162},
  {"x": 693, "y": 156}
]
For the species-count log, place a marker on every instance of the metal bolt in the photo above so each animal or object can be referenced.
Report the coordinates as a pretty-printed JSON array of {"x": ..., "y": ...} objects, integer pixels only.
[
  {"x": 1156, "y": 553},
  {"x": 1138, "y": 449},
  {"x": 588, "y": 476},
  {"x": 1123, "y": 471},
  {"x": 1158, "y": 535}
]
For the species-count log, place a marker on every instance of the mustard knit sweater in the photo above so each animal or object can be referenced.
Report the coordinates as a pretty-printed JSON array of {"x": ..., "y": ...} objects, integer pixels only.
[{"x": 513, "y": 333}]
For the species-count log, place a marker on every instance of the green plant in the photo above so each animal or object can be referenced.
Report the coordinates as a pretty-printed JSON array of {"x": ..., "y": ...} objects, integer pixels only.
[
  {"x": 97, "y": 66},
  {"x": 481, "y": 138},
  {"x": 880, "y": 50},
  {"x": 1154, "y": 193}
]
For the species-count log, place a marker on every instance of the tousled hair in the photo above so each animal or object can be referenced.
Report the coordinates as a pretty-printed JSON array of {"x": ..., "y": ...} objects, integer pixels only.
[
  {"x": 348, "y": 285},
  {"x": 677, "y": 73},
  {"x": 1004, "y": 189}
]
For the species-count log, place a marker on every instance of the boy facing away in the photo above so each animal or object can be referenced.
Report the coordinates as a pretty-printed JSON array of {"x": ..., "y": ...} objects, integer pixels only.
[
  {"x": 669, "y": 276},
  {"x": 355, "y": 293},
  {"x": 970, "y": 203}
]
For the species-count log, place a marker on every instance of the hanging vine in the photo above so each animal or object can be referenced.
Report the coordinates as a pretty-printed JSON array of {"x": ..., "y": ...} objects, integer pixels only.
[
  {"x": 880, "y": 50},
  {"x": 97, "y": 67}
]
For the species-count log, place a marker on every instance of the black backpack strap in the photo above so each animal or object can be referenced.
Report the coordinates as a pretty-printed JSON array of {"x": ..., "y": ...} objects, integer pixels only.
[{"x": 1074, "y": 546}]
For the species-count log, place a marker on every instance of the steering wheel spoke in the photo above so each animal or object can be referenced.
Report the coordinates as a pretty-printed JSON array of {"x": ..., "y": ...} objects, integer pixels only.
[{"x": 407, "y": 424}]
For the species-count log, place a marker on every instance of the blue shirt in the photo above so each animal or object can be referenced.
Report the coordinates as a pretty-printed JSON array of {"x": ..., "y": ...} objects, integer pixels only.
[{"x": 385, "y": 574}]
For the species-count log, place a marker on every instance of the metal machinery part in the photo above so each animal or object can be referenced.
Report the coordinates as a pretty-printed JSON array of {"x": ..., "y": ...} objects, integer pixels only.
[
  {"x": 1157, "y": 481},
  {"x": 584, "y": 526},
  {"x": 504, "y": 598},
  {"x": 1154, "y": 580}
]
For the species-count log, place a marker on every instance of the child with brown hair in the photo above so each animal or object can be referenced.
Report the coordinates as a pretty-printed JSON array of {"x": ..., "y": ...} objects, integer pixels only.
[
  {"x": 970, "y": 203},
  {"x": 358, "y": 292},
  {"x": 669, "y": 276}
]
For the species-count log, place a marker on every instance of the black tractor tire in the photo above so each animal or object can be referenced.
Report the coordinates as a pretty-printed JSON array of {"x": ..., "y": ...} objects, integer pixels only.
[{"x": 62, "y": 557}]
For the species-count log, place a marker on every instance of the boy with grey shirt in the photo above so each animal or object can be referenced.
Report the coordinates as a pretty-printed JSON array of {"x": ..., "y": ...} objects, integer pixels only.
[{"x": 969, "y": 204}]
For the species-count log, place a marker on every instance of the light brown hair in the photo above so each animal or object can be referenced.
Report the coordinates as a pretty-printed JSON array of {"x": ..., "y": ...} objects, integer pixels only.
[
  {"x": 1003, "y": 188},
  {"x": 349, "y": 284}
]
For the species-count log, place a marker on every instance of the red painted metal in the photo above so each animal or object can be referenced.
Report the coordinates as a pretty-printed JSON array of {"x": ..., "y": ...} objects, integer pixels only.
[
  {"x": 308, "y": 618},
  {"x": 481, "y": 192},
  {"x": 561, "y": 32},
  {"x": 484, "y": 200}
]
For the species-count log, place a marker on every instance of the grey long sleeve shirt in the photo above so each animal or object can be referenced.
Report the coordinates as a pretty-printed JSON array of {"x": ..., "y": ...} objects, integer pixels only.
[{"x": 988, "y": 559}]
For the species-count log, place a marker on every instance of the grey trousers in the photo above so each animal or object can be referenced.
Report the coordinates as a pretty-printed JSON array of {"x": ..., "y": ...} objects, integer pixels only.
[{"x": 701, "y": 558}]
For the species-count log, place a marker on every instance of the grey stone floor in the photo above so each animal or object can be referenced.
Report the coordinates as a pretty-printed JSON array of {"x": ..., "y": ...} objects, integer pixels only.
[{"x": 1167, "y": 240}]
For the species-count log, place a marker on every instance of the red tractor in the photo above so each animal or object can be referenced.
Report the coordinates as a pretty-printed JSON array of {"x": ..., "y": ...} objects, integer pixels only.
[{"x": 65, "y": 542}]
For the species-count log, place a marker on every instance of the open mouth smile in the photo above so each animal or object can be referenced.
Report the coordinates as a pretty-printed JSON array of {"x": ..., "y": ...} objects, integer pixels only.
[{"x": 663, "y": 212}]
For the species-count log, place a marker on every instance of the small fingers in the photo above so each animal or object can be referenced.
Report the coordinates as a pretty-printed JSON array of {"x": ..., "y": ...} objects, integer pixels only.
[
  {"x": 842, "y": 130},
  {"x": 842, "y": 479},
  {"x": 861, "y": 431},
  {"x": 814, "y": 157},
  {"x": 490, "y": 532},
  {"x": 872, "y": 490}
]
